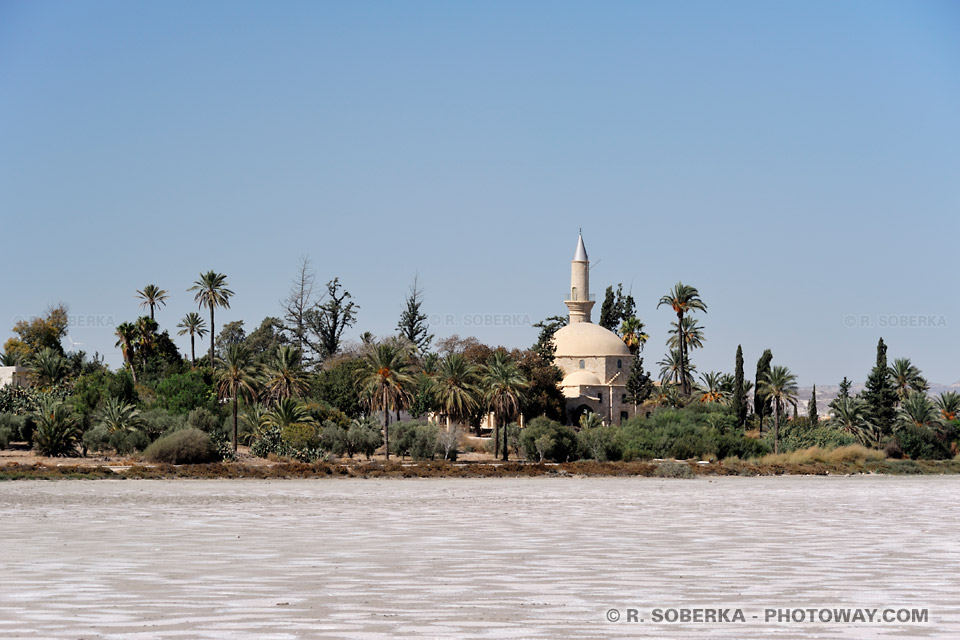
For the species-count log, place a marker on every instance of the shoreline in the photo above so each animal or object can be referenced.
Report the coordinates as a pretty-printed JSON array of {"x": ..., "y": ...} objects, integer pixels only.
[{"x": 432, "y": 469}]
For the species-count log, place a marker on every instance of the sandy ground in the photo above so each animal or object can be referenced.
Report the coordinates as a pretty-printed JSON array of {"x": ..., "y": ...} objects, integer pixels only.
[{"x": 475, "y": 558}]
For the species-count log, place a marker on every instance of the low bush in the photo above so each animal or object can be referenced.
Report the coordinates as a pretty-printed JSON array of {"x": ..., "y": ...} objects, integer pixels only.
[
  {"x": 418, "y": 440},
  {"x": 922, "y": 444},
  {"x": 157, "y": 422},
  {"x": 673, "y": 470},
  {"x": 187, "y": 446},
  {"x": 11, "y": 426},
  {"x": 850, "y": 454},
  {"x": 545, "y": 439},
  {"x": 206, "y": 420},
  {"x": 600, "y": 443},
  {"x": 800, "y": 434}
]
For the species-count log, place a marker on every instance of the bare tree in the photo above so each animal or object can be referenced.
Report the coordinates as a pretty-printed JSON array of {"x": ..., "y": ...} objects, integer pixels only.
[{"x": 298, "y": 303}]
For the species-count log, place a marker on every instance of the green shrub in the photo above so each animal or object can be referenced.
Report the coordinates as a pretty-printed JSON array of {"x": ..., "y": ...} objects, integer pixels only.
[
  {"x": 364, "y": 436},
  {"x": 800, "y": 434},
  {"x": 205, "y": 420},
  {"x": 184, "y": 392},
  {"x": 333, "y": 438},
  {"x": 97, "y": 439},
  {"x": 549, "y": 440},
  {"x": 187, "y": 446},
  {"x": 600, "y": 443},
  {"x": 270, "y": 441},
  {"x": 127, "y": 442},
  {"x": 417, "y": 439},
  {"x": 157, "y": 422},
  {"x": 922, "y": 444},
  {"x": 513, "y": 440},
  {"x": 11, "y": 426}
]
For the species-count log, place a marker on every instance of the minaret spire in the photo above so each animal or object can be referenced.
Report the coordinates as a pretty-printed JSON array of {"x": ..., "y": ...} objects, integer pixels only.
[{"x": 579, "y": 302}]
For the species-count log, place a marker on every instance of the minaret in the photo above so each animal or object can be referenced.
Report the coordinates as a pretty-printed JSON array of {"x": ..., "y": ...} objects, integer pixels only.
[{"x": 580, "y": 303}]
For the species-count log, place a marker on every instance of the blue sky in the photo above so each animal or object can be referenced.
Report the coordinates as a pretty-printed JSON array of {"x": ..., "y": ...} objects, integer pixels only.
[{"x": 797, "y": 162}]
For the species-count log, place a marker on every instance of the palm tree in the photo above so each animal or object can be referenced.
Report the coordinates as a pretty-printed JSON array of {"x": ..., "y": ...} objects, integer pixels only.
[
  {"x": 152, "y": 296},
  {"x": 503, "y": 385},
  {"x": 781, "y": 386},
  {"x": 117, "y": 415},
  {"x": 126, "y": 336},
  {"x": 285, "y": 377},
  {"x": 238, "y": 377},
  {"x": 386, "y": 384},
  {"x": 851, "y": 415},
  {"x": 288, "y": 412},
  {"x": 906, "y": 378},
  {"x": 56, "y": 431},
  {"x": 713, "y": 382},
  {"x": 192, "y": 325},
  {"x": 682, "y": 299},
  {"x": 632, "y": 332},
  {"x": 48, "y": 367},
  {"x": 692, "y": 334},
  {"x": 671, "y": 370},
  {"x": 949, "y": 404},
  {"x": 455, "y": 387},
  {"x": 590, "y": 420},
  {"x": 212, "y": 292},
  {"x": 146, "y": 338},
  {"x": 253, "y": 420},
  {"x": 918, "y": 411},
  {"x": 11, "y": 359}
]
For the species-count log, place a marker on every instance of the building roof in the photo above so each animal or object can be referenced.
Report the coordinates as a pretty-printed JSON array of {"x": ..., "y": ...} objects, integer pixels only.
[
  {"x": 580, "y": 255},
  {"x": 581, "y": 378},
  {"x": 585, "y": 339}
]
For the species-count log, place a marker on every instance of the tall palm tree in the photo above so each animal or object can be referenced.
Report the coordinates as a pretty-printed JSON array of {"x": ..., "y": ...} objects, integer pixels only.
[
  {"x": 780, "y": 386},
  {"x": 192, "y": 325},
  {"x": 126, "y": 339},
  {"x": 633, "y": 335},
  {"x": 692, "y": 334},
  {"x": 386, "y": 383},
  {"x": 906, "y": 378},
  {"x": 918, "y": 411},
  {"x": 238, "y": 377},
  {"x": 146, "y": 338},
  {"x": 212, "y": 292},
  {"x": 455, "y": 387},
  {"x": 949, "y": 404},
  {"x": 152, "y": 296},
  {"x": 503, "y": 385},
  {"x": 285, "y": 377},
  {"x": 683, "y": 299}
]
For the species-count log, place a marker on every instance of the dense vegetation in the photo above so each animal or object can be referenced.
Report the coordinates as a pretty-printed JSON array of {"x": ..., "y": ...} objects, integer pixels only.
[{"x": 293, "y": 389}]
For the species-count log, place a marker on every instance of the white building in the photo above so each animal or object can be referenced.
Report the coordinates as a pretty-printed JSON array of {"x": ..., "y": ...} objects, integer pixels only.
[
  {"x": 595, "y": 361},
  {"x": 16, "y": 376}
]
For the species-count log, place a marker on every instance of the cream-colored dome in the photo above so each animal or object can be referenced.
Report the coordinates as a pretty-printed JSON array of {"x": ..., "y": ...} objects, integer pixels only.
[
  {"x": 581, "y": 378},
  {"x": 585, "y": 339}
]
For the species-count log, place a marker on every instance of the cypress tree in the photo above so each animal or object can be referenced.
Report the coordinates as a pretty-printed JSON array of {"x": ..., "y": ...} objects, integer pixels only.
[
  {"x": 739, "y": 401},
  {"x": 814, "y": 415},
  {"x": 880, "y": 394},
  {"x": 761, "y": 403},
  {"x": 608, "y": 311},
  {"x": 639, "y": 385}
]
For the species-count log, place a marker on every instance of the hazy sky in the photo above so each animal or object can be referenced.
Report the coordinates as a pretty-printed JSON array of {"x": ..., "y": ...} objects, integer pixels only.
[{"x": 797, "y": 162}]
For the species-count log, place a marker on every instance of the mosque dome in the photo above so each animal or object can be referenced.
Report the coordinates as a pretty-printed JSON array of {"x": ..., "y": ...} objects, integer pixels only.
[
  {"x": 585, "y": 339},
  {"x": 581, "y": 378}
]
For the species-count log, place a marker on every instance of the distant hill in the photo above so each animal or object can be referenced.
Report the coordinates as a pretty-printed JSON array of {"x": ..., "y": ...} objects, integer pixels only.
[{"x": 826, "y": 393}]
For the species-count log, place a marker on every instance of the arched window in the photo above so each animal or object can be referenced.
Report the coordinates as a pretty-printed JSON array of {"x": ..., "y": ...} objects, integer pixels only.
[
  {"x": 623, "y": 416},
  {"x": 583, "y": 365},
  {"x": 619, "y": 364},
  {"x": 600, "y": 397},
  {"x": 623, "y": 398}
]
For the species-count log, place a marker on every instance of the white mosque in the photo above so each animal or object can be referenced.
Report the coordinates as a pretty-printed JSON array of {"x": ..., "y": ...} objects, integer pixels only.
[{"x": 595, "y": 361}]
